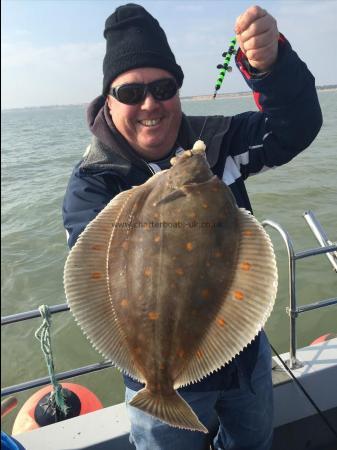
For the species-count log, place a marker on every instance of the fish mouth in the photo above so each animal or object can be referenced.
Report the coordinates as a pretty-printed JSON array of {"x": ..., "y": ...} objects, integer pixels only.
[{"x": 150, "y": 122}]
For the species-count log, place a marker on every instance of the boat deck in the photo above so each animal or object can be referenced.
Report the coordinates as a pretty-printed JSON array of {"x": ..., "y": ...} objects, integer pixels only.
[{"x": 297, "y": 424}]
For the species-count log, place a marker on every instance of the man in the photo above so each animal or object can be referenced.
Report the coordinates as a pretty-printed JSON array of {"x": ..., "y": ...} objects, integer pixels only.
[{"x": 138, "y": 126}]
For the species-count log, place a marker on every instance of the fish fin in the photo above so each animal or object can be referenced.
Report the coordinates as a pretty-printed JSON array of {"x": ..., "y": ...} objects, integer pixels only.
[
  {"x": 171, "y": 409},
  {"x": 86, "y": 283},
  {"x": 246, "y": 307}
]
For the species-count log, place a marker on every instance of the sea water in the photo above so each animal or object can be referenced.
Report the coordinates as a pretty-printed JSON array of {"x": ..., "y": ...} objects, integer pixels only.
[{"x": 40, "y": 146}]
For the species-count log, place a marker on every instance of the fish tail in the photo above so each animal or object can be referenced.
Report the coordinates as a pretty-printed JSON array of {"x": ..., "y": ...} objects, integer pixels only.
[{"x": 171, "y": 409}]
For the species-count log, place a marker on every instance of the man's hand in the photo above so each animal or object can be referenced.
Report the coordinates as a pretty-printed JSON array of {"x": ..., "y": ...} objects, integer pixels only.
[{"x": 257, "y": 35}]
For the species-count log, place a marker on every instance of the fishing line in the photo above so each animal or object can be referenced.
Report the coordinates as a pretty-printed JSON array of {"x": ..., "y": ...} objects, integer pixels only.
[
  {"x": 299, "y": 384},
  {"x": 224, "y": 68}
]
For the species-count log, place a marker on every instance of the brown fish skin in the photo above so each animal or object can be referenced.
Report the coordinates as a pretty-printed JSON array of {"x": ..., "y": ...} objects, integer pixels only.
[
  {"x": 172, "y": 295},
  {"x": 171, "y": 281}
]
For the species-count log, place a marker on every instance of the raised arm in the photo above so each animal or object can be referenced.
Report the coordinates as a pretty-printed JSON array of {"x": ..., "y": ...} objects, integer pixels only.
[{"x": 284, "y": 91}]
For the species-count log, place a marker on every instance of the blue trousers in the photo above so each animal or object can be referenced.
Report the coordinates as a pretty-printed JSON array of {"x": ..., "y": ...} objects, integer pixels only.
[{"x": 238, "y": 418}]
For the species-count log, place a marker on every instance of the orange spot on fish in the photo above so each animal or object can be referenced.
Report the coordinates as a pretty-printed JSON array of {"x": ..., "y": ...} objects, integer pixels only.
[
  {"x": 156, "y": 215},
  {"x": 147, "y": 271},
  {"x": 153, "y": 315},
  {"x": 205, "y": 293},
  {"x": 215, "y": 189},
  {"x": 97, "y": 247},
  {"x": 199, "y": 354},
  {"x": 96, "y": 275},
  {"x": 238, "y": 295},
  {"x": 221, "y": 322},
  {"x": 157, "y": 238},
  {"x": 189, "y": 246},
  {"x": 247, "y": 233},
  {"x": 218, "y": 254},
  {"x": 179, "y": 271},
  {"x": 125, "y": 245},
  {"x": 245, "y": 266},
  {"x": 192, "y": 215},
  {"x": 124, "y": 302},
  {"x": 205, "y": 205}
]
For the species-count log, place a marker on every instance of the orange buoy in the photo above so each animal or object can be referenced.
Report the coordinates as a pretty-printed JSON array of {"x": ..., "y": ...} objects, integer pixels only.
[
  {"x": 323, "y": 338},
  {"x": 8, "y": 405},
  {"x": 37, "y": 412}
]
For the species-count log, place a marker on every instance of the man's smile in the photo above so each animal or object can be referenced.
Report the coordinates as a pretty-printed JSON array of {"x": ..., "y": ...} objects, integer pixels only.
[{"x": 150, "y": 122}]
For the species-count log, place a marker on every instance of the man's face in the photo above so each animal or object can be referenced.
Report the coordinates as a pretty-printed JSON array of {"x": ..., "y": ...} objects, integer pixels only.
[{"x": 151, "y": 126}]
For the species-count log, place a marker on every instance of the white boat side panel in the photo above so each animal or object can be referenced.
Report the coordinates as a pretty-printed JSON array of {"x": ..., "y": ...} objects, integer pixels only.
[
  {"x": 318, "y": 376},
  {"x": 109, "y": 425}
]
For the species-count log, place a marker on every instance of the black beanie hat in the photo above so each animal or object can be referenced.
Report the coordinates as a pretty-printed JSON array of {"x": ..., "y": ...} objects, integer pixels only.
[{"x": 135, "y": 39}]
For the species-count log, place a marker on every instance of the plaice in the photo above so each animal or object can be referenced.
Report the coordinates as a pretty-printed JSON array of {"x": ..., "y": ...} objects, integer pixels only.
[{"x": 171, "y": 281}]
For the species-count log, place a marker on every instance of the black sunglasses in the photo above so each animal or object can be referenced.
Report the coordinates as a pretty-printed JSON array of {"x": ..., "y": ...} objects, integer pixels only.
[{"x": 134, "y": 93}]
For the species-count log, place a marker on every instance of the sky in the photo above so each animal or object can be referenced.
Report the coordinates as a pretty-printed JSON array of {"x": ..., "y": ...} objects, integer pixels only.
[{"x": 52, "y": 50}]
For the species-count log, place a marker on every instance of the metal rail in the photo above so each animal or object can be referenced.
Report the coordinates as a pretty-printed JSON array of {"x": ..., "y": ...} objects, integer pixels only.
[
  {"x": 321, "y": 236},
  {"x": 60, "y": 376},
  {"x": 6, "y": 320},
  {"x": 328, "y": 248}
]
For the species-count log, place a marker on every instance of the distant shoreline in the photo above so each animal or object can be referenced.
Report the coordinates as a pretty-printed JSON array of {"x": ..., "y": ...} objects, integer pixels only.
[
  {"x": 209, "y": 97},
  {"x": 328, "y": 88}
]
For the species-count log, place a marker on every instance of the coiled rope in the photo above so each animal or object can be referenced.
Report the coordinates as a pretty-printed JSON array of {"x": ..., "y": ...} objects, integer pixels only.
[{"x": 57, "y": 398}]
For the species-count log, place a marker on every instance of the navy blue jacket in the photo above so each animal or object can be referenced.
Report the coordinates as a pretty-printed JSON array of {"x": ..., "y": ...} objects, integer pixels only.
[{"x": 237, "y": 147}]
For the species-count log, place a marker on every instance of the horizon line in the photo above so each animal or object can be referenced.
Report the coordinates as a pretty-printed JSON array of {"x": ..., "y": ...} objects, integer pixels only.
[{"x": 186, "y": 97}]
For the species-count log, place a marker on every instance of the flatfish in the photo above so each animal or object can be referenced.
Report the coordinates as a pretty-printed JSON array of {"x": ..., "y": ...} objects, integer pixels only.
[{"x": 171, "y": 281}]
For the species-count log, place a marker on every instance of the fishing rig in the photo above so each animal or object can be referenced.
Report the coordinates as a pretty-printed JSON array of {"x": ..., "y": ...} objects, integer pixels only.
[{"x": 224, "y": 67}]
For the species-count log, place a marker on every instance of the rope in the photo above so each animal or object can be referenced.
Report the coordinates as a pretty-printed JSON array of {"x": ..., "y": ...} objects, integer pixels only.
[{"x": 56, "y": 399}]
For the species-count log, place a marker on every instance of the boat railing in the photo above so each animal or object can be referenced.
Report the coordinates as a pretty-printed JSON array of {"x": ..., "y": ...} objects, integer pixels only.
[
  {"x": 327, "y": 247},
  {"x": 6, "y": 320}
]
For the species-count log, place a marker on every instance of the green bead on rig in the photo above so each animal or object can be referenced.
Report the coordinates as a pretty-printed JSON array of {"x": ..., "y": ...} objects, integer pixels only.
[{"x": 225, "y": 67}]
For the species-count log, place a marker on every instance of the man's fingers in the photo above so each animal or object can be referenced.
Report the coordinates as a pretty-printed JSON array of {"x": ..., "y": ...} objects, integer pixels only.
[
  {"x": 257, "y": 36},
  {"x": 259, "y": 41},
  {"x": 244, "y": 21},
  {"x": 260, "y": 26},
  {"x": 259, "y": 56},
  {"x": 237, "y": 27}
]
